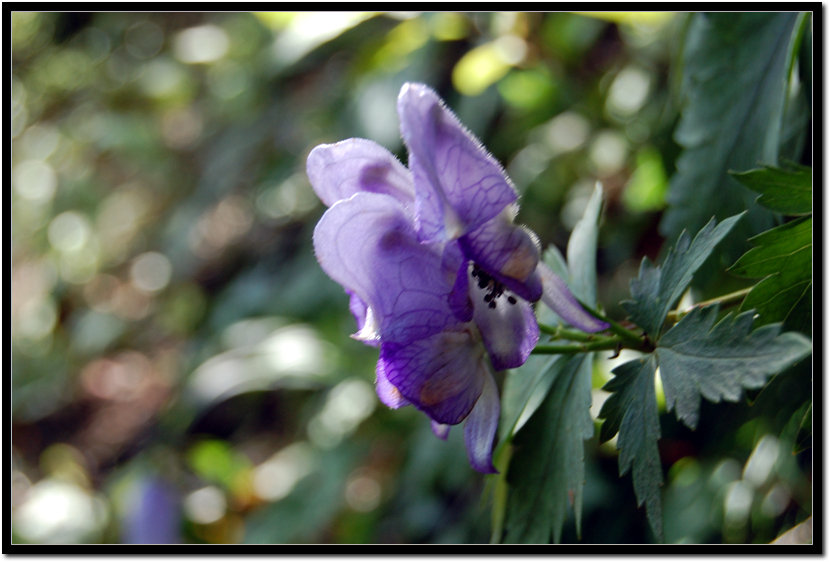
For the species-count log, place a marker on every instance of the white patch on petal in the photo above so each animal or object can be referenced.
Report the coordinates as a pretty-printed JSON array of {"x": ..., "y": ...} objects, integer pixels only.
[{"x": 369, "y": 332}]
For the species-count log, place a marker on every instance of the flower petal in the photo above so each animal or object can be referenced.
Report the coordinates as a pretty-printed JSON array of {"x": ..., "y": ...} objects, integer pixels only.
[
  {"x": 367, "y": 244},
  {"x": 364, "y": 317},
  {"x": 480, "y": 428},
  {"x": 441, "y": 375},
  {"x": 387, "y": 392},
  {"x": 441, "y": 430},
  {"x": 508, "y": 252},
  {"x": 559, "y": 298},
  {"x": 460, "y": 186},
  {"x": 509, "y": 331},
  {"x": 338, "y": 171}
]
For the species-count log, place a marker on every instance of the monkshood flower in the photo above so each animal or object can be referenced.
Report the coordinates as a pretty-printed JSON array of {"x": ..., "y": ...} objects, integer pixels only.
[{"x": 438, "y": 275}]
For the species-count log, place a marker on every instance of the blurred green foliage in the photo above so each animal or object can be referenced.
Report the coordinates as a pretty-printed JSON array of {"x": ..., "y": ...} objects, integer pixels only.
[{"x": 181, "y": 367}]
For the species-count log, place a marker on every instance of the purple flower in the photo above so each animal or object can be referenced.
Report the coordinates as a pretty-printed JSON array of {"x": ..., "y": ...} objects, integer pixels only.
[{"x": 438, "y": 274}]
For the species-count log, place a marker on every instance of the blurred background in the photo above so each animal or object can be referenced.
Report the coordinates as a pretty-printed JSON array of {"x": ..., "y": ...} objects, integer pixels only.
[{"x": 182, "y": 369}]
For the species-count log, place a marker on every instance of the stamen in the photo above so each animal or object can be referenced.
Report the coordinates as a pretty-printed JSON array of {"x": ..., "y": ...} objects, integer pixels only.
[{"x": 495, "y": 289}]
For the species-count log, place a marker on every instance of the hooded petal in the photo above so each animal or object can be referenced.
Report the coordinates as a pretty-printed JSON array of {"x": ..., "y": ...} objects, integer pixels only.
[
  {"x": 509, "y": 330},
  {"x": 480, "y": 428},
  {"x": 507, "y": 252},
  {"x": 440, "y": 430},
  {"x": 441, "y": 375},
  {"x": 456, "y": 266},
  {"x": 338, "y": 171},
  {"x": 367, "y": 244},
  {"x": 365, "y": 319},
  {"x": 460, "y": 186},
  {"x": 387, "y": 392},
  {"x": 559, "y": 298}
]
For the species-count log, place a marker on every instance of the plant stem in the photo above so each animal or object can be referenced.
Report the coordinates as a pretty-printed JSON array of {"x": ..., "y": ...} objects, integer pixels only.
[
  {"x": 598, "y": 345},
  {"x": 632, "y": 338},
  {"x": 726, "y": 300},
  {"x": 562, "y": 333}
]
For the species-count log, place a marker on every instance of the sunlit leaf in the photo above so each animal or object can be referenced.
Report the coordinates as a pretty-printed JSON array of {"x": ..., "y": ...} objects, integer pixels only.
[
  {"x": 633, "y": 18},
  {"x": 789, "y": 192},
  {"x": 784, "y": 257},
  {"x": 486, "y": 64},
  {"x": 788, "y": 246},
  {"x": 582, "y": 251}
]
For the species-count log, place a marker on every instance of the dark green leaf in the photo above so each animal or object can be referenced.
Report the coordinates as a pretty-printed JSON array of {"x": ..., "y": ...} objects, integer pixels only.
[
  {"x": 657, "y": 289},
  {"x": 547, "y": 466},
  {"x": 698, "y": 358},
  {"x": 734, "y": 92},
  {"x": 524, "y": 390},
  {"x": 789, "y": 192},
  {"x": 800, "y": 316},
  {"x": 785, "y": 256},
  {"x": 632, "y": 411},
  {"x": 554, "y": 392},
  {"x": 582, "y": 251},
  {"x": 798, "y": 109},
  {"x": 804, "y": 437}
]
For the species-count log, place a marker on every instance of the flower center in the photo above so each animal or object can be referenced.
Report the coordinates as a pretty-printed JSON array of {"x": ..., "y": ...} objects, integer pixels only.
[{"x": 495, "y": 289}]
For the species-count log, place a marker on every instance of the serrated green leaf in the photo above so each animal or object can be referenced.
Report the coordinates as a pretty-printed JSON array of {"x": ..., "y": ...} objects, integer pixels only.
[
  {"x": 789, "y": 192},
  {"x": 631, "y": 410},
  {"x": 582, "y": 251},
  {"x": 785, "y": 256},
  {"x": 734, "y": 92},
  {"x": 548, "y": 460},
  {"x": 657, "y": 289},
  {"x": 778, "y": 297},
  {"x": 789, "y": 246},
  {"x": 718, "y": 361}
]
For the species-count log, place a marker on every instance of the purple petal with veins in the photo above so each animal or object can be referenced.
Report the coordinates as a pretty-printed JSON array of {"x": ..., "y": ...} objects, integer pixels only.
[
  {"x": 338, "y": 171},
  {"x": 387, "y": 393},
  {"x": 361, "y": 312},
  {"x": 368, "y": 245},
  {"x": 559, "y": 298},
  {"x": 441, "y": 375},
  {"x": 460, "y": 186},
  {"x": 480, "y": 428}
]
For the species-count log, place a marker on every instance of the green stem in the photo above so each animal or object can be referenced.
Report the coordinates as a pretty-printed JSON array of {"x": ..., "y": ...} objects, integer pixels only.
[
  {"x": 726, "y": 300},
  {"x": 598, "y": 345},
  {"x": 562, "y": 333},
  {"x": 631, "y": 338}
]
